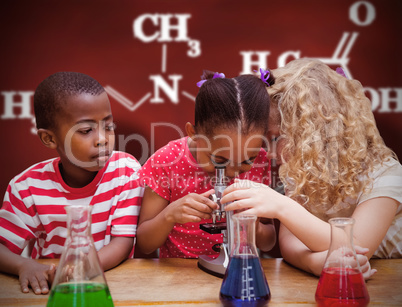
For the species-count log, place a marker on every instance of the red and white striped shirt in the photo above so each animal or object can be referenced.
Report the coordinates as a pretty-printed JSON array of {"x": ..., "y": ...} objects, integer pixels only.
[{"x": 33, "y": 206}]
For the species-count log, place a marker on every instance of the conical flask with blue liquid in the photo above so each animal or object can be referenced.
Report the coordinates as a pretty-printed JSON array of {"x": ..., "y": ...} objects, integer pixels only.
[
  {"x": 244, "y": 283},
  {"x": 79, "y": 279}
]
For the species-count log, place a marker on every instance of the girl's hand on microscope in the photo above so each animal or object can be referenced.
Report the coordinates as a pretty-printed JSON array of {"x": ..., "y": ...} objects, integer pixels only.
[
  {"x": 251, "y": 197},
  {"x": 191, "y": 208}
]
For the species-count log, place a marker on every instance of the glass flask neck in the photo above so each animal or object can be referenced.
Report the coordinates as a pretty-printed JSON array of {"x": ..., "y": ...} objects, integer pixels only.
[
  {"x": 243, "y": 235},
  {"x": 341, "y": 232},
  {"x": 341, "y": 251},
  {"x": 78, "y": 221}
]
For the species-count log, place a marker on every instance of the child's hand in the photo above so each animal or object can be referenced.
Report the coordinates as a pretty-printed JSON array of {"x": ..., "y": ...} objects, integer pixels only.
[
  {"x": 364, "y": 263},
  {"x": 250, "y": 197},
  {"x": 361, "y": 258},
  {"x": 38, "y": 276},
  {"x": 191, "y": 208}
]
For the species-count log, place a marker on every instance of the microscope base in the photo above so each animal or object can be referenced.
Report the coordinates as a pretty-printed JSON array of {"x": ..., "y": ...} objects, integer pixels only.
[{"x": 216, "y": 267}]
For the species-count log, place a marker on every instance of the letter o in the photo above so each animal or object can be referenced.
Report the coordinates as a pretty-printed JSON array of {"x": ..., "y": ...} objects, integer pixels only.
[
  {"x": 354, "y": 13},
  {"x": 374, "y": 98}
]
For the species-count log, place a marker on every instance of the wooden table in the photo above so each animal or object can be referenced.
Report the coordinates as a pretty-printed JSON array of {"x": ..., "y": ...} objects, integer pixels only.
[{"x": 178, "y": 282}]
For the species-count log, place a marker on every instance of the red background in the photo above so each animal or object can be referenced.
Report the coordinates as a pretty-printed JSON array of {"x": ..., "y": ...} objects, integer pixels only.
[{"x": 39, "y": 38}]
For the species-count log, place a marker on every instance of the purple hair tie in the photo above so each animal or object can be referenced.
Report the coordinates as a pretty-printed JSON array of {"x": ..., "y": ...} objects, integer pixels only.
[
  {"x": 340, "y": 71},
  {"x": 216, "y": 75},
  {"x": 264, "y": 72}
]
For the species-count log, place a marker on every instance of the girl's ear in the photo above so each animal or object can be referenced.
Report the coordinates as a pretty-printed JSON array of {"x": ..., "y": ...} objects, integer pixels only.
[
  {"x": 190, "y": 130},
  {"x": 48, "y": 138}
]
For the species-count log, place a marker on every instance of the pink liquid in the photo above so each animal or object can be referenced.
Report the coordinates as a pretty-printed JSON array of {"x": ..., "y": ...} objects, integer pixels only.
[{"x": 341, "y": 287}]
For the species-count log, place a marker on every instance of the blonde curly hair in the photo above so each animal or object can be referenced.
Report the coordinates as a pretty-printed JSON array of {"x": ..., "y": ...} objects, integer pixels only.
[{"x": 331, "y": 138}]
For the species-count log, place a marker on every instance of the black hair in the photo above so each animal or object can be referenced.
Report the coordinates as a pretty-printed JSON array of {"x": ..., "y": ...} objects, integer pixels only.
[
  {"x": 52, "y": 92},
  {"x": 224, "y": 103}
]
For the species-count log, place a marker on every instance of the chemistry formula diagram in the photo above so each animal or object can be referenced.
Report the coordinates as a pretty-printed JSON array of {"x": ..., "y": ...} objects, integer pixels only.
[
  {"x": 173, "y": 28},
  {"x": 166, "y": 23}
]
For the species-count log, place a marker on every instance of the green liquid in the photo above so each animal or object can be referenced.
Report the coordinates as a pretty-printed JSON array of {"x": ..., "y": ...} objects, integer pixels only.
[{"x": 80, "y": 295}]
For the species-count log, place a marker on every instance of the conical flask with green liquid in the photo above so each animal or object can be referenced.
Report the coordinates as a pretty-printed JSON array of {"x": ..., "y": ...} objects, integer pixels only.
[{"x": 79, "y": 279}]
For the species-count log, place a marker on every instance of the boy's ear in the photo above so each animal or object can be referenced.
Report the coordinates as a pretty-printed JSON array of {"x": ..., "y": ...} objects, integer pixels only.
[
  {"x": 190, "y": 130},
  {"x": 48, "y": 138}
]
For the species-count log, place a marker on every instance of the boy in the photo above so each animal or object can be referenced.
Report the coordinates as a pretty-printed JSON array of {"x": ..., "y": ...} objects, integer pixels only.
[{"x": 73, "y": 116}]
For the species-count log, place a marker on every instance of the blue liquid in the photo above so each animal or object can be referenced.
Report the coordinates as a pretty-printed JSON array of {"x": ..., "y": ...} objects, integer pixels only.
[{"x": 244, "y": 283}]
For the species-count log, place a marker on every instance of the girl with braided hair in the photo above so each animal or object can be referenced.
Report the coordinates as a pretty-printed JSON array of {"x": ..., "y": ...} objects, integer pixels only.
[{"x": 229, "y": 129}]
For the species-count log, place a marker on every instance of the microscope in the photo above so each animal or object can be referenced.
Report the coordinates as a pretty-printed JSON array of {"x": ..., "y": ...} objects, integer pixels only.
[{"x": 218, "y": 265}]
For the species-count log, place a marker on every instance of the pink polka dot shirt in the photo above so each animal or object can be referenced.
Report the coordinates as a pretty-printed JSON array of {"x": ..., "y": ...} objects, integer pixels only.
[{"x": 172, "y": 172}]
